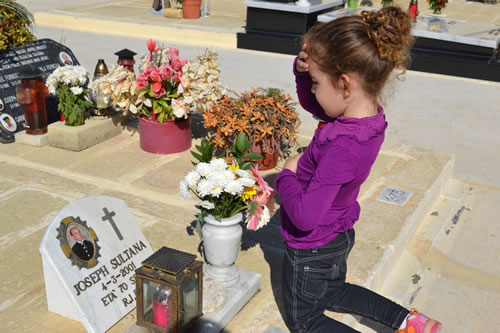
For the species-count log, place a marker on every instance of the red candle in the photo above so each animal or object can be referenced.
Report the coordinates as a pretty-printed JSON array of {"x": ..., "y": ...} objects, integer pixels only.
[
  {"x": 162, "y": 307},
  {"x": 161, "y": 314}
]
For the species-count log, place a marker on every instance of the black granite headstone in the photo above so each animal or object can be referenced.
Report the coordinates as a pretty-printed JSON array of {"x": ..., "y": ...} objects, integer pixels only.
[{"x": 45, "y": 55}]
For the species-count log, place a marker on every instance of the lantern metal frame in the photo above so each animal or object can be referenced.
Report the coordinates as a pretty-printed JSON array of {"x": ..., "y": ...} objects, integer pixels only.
[{"x": 172, "y": 268}]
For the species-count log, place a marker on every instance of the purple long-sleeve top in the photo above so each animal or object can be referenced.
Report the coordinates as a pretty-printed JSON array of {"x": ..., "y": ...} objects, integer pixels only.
[{"x": 319, "y": 201}]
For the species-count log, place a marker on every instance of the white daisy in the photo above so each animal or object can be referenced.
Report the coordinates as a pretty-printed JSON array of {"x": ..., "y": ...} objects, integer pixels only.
[
  {"x": 234, "y": 187},
  {"x": 205, "y": 187},
  {"x": 192, "y": 178},
  {"x": 206, "y": 204},
  {"x": 218, "y": 164},
  {"x": 184, "y": 190},
  {"x": 203, "y": 169}
]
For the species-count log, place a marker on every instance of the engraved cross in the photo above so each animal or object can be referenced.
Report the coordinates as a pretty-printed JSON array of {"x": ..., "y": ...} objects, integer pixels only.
[{"x": 109, "y": 216}]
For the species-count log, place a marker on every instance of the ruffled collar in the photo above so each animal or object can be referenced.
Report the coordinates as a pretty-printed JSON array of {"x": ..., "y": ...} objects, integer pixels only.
[{"x": 361, "y": 128}]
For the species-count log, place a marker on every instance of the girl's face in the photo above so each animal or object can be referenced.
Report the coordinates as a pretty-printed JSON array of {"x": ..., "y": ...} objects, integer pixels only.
[{"x": 330, "y": 98}]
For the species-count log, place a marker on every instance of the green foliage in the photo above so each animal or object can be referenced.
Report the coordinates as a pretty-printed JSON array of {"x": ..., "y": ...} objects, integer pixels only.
[
  {"x": 239, "y": 149},
  {"x": 72, "y": 106},
  {"x": 15, "y": 23},
  {"x": 238, "y": 152},
  {"x": 205, "y": 152}
]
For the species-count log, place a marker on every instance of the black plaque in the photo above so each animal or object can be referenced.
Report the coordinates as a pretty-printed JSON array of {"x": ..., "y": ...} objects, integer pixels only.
[{"x": 44, "y": 54}]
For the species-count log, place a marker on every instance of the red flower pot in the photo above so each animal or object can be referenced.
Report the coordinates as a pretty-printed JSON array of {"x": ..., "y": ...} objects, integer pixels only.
[
  {"x": 167, "y": 138},
  {"x": 191, "y": 9}
]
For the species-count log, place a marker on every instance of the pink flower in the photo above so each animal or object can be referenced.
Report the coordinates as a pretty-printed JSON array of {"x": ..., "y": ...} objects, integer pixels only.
[
  {"x": 147, "y": 71},
  {"x": 263, "y": 185},
  {"x": 156, "y": 86},
  {"x": 152, "y": 48},
  {"x": 151, "y": 45},
  {"x": 166, "y": 72},
  {"x": 158, "y": 90},
  {"x": 254, "y": 220},
  {"x": 155, "y": 75},
  {"x": 177, "y": 63},
  {"x": 173, "y": 53},
  {"x": 177, "y": 77},
  {"x": 140, "y": 83}
]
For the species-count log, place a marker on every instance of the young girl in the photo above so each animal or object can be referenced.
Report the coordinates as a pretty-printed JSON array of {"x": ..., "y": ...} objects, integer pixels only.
[{"x": 339, "y": 74}]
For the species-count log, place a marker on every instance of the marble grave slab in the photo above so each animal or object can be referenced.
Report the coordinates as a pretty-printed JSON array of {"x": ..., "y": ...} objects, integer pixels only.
[{"x": 90, "y": 252}]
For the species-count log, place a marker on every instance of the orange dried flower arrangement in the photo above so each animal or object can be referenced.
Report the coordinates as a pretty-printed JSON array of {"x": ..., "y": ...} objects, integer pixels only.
[{"x": 266, "y": 116}]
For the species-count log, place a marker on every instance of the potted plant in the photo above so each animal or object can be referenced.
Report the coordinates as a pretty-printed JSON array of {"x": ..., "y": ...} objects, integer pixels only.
[
  {"x": 69, "y": 83},
  {"x": 266, "y": 116},
  {"x": 190, "y": 8},
  {"x": 437, "y": 6},
  {"x": 166, "y": 91},
  {"x": 226, "y": 191},
  {"x": 15, "y": 24}
]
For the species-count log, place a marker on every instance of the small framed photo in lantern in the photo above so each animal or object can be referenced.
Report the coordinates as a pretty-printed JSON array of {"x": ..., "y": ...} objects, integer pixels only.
[{"x": 169, "y": 287}]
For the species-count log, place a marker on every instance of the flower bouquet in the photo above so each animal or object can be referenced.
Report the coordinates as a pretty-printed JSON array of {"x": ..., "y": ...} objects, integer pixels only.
[
  {"x": 200, "y": 85},
  {"x": 69, "y": 83},
  {"x": 156, "y": 87},
  {"x": 226, "y": 189},
  {"x": 437, "y": 5},
  {"x": 115, "y": 89}
]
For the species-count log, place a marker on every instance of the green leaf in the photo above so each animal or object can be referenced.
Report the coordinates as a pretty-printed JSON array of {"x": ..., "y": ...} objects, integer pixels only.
[
  {"x": 436, "y": 213},
  {"x": 197, "y": 156},
  {"x": 241, "y": 142},
  {"x": 254, "y": 156},
  {"x": 246, "y": 165}
]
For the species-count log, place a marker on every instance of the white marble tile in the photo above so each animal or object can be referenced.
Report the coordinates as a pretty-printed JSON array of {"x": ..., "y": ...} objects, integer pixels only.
[{"x": 102, "y": 294}]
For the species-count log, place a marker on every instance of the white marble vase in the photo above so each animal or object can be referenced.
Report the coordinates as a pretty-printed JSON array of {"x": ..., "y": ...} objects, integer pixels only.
[{"x": 221, "y": 242}]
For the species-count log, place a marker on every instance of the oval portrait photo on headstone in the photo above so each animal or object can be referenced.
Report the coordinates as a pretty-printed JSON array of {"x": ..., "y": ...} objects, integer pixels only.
[
  {"x": 8, "y": 123},
  {"x": 78, "y": 242},
  {"x": 65, "y": 59}
]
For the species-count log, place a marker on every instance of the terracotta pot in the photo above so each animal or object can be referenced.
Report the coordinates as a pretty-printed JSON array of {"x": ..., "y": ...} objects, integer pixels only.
[
  {"x": 191, "y": 9},
  {"x": 167, "y": 138},
  {"x": 270, "y": 160}
]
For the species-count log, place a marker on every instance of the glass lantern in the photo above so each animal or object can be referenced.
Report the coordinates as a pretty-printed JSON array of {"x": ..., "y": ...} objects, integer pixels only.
[{"x": 169, "y": 291}]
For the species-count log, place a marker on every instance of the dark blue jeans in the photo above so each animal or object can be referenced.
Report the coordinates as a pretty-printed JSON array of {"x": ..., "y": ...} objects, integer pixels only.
[{"x": 314, "y": 281}]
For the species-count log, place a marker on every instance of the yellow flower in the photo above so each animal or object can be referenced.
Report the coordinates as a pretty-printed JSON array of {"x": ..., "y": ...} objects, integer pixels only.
[
  {"x": 233, "y": 167},
  {"x": 249, "y": 193}
]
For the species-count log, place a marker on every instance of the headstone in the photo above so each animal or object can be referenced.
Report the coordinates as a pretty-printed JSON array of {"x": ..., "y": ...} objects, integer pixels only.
[
  {"x": 44, "y": 54},
  {"x": 90, "y": 252}
]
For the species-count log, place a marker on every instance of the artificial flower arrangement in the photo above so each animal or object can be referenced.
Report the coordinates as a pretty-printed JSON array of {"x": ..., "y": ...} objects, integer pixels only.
[
  {"x": 200, "y": 85},
  {"x": 227, "y": 188},
  {"x": 266, "y": 116},
  {"x": 156, "y": 87},
  {"x": 115, "y": 89},
  {"x": 437, "y": 5},
  {"x": 69, "y": 83}
]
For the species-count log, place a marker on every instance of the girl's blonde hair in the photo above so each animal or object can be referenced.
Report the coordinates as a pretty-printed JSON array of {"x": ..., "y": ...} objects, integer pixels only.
[{"x": 370, "y": 45}]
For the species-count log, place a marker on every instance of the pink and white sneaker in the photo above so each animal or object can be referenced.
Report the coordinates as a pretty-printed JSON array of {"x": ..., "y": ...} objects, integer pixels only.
[{"x": 419, "y": 323}]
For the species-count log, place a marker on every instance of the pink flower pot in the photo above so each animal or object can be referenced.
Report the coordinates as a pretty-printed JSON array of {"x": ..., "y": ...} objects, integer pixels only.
[{"x": 167, "y": 138}]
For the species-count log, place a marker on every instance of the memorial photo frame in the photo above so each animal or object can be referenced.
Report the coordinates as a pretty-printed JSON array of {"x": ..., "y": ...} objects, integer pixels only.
[
  {"x": 65, "y": 59},
  {"x": 78, "y": 242},
  {"x": 8, "y": 123}
]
